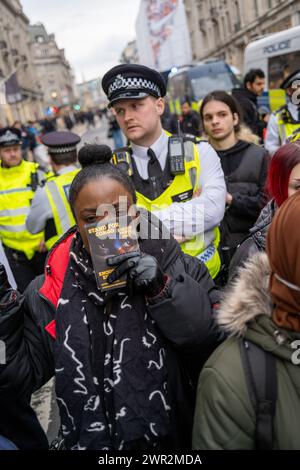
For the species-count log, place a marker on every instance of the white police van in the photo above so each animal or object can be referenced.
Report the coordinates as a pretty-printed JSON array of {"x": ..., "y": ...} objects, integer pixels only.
[{"x": 278, "y": 55}]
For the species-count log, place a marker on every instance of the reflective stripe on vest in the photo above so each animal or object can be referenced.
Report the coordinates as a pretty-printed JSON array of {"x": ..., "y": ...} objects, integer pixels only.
[
  {"x": 58, "y": 196},
  {"x": 188, "y": 183},
  {"x": 15, "y": 198}
]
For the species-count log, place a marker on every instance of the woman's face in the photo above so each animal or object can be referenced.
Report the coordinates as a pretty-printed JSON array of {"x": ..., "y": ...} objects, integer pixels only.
[
  {"x": 294, "y": 181},
  {"x": 95, "y": 200}
]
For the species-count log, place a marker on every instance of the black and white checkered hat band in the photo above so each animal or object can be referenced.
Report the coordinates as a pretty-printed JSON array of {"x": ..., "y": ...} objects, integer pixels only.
[
  {"x": 132, "y": 83},
  {"x": 58, "y": 150},
  {"x": 9, "y": 137}
]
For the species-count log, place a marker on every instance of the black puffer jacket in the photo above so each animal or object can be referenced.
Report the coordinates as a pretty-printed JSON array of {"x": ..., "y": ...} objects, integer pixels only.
[
  {"x": 256, "y": 242},
  {"x": 185, "y": 318},
  {"x": 245, "y": 169}
]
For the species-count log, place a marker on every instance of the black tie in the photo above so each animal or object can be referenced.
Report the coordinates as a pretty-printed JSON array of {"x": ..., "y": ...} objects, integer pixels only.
[{"x": 154, "y": 168}]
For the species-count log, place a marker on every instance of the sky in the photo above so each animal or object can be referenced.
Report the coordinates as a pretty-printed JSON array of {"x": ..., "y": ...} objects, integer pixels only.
[{"x": 92, "y": 32}]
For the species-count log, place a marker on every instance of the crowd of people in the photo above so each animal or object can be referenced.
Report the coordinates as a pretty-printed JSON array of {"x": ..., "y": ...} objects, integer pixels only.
[{"x": 199, "y": 349}]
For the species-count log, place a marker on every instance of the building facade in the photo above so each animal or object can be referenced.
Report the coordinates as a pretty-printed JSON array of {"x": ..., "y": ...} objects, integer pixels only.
[
  {"x": 53, "y": 71},
  {"x": 90, "y": 95},
  {"x": 223, "y": 28},
  {"x": 16, "y": 66}
]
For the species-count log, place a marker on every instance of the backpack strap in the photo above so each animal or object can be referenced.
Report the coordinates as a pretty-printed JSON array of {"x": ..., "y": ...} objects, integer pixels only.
[{"x": 261, "y": 378}]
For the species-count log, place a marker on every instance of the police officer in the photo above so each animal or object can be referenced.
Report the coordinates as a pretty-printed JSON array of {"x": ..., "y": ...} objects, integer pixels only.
[
  {"x": 167, "y": 172},
  {"x": 285, "y": 120},
  {"x": 18, "y": 182},
  {"x": 50, "y": 211}
]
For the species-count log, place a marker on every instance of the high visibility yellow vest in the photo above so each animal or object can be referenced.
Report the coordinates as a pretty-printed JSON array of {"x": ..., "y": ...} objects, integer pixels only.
[
  {"x": 286, "y": 127},
  {"x": 57, "y": 190},
  {"x": 182, "y": 184},
  {"x": 15, "y": 198}
]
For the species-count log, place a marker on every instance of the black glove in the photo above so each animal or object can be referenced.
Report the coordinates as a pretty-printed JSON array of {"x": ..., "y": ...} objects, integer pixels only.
[
  {"x": 142, "y": 270},
  {"x": 4, "y": 283}
]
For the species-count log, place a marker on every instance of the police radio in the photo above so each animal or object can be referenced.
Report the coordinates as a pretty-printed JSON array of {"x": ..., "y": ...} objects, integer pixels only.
[
  {"x": 34, "y": 181},
  {"x": 176, "y": 153},
  {"x": 122, "y": 158}
]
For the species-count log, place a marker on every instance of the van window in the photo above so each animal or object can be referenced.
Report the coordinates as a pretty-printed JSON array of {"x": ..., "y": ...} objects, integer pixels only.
[
  {"x": 177, "y": 85},
  {"x": 282, "y": 66},
  {"x": 209, "y": 77}
]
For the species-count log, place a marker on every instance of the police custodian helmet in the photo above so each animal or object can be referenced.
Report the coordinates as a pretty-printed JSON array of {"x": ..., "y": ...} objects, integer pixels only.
[
  {"x": 132, "y": 81},
  {"x": 288, "y": 81}
]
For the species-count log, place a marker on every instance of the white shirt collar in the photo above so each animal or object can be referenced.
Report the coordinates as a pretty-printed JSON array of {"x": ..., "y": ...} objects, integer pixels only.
[
  {"x": 67, "y": 169},
  {"x": 158, "y": 148}
]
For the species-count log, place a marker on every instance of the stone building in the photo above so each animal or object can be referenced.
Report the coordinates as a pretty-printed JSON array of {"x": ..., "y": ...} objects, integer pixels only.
[
  {"x": 223, "y": 28},
  {"x": 53, "y": 71},
  {"x": 16, "y": 64}
]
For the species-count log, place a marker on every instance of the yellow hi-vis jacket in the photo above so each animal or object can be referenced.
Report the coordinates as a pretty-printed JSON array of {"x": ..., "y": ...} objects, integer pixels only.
[
  {"x": 15, "y": 198},
  {"x": 188, "y": 182},
  {"x": 286, "y": 126},
  {"x": 57, "y": 190}
]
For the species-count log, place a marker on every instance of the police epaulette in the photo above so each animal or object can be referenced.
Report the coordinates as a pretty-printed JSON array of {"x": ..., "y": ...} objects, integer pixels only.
[
  {"x": 193, "y": 138},
  {"x": 122, "y": 149}
]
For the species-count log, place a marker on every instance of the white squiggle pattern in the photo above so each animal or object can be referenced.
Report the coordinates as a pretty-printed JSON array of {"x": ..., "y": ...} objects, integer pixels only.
[
  {"x": 152, "y": 429},
  {"x": 78, "y": 447},
  {"x": 107, "y": 359},
  {"x": 93, "y": 403},
  {"x": 92, "y": 294},
  {"x": 77, "y": 260},
  {"x": 123, "y": 305},
  {"x": 121, "y": 445},
  {"x": 78, "y": 380},
  {"x": 96, "y": 427},
  {"x": 64, "y": 430},
  {"x": 167, "y": 408},
  {"x": 85, "y": 319},
  {"x": 121, "y": 413},
  {"x": 108, "y": 385},
  {"x": 117, "y": 363},
  {"x": 107, "y": 328},
  {"x": 161, "y": 360},
  {"x": 68, "y": 413},
  {"x": 59, "y": 370},
  {"x": 145, "y": 343},
  {"x": 63, "y": 302},
  {"x": 96, "y": 382}
]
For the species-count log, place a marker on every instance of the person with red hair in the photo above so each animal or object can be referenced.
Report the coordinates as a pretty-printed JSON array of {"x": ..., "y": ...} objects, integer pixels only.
[{"x": 283, "y": 181}]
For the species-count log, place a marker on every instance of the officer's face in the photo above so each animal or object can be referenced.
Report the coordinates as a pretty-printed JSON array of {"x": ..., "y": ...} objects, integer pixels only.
[
  {"x": 140, "y": 119},
  {"x": 294, "y": 181},
  {"x": 185, "y": 109},
  {"x": 94, "y": 201},
  {"x": 10, "y": 156},
  {"x": 218, "y": 120}
]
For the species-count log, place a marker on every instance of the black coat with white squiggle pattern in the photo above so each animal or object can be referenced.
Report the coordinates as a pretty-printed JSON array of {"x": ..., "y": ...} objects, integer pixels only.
[{"x": 184, "y": 317}]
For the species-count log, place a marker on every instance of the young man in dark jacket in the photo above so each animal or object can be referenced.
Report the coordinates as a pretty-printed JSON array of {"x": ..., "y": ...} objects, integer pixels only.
[
  {"x": 254, "y": 85},
  {"x": 244, "y": 165}
]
